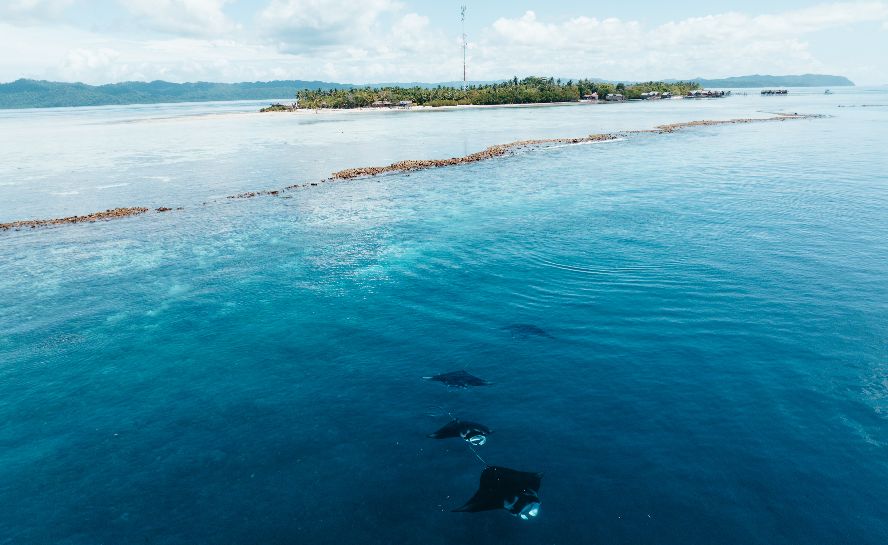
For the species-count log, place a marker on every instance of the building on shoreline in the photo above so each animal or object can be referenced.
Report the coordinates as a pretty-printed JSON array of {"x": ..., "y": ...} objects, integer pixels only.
[
  {"x": 656, "y": 95},
  {"x": 707, "y": 93}
]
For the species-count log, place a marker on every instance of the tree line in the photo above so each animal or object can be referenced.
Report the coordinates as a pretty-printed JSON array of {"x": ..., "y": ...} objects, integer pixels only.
[{"x": 526, "y": 91}]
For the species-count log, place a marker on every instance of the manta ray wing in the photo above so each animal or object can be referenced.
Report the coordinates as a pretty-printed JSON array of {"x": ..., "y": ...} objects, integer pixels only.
[
  {"x": 460, "y": 428},
  {"x": 459, "y": 379},
  {"x": 523, "y": 331},
  {"x": 451, "y": 429},
  {"x": 515, "y": 481},
  {"x": 499, "y": 485},
  {"x": 483, "y": 500}
]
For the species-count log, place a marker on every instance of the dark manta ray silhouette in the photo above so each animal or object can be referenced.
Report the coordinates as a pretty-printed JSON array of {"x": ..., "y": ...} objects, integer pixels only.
[
  {"x": 474, "y": 433},
  {"x": 459, "y": 379},
  {"x": 523, "y": 331},
  {"x": 518, "y": 492}
]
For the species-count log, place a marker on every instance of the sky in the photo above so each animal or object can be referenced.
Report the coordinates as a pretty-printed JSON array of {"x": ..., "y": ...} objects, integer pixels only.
[{"x": 372, "y": 41}]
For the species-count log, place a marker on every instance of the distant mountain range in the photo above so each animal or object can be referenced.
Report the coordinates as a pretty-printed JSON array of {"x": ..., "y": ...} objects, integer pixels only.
[
  {"x": 805, "y": 80},
  {"x": 27, "y": 93}
]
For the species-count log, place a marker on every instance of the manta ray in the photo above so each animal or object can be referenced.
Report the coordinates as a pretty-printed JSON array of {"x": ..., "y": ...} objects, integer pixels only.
[
  {"x": 474, "y": 433},
  {"x": 459, "y": 379},
  {"x": 518, "y": 492},
  {"x": 523, "y": 331}
]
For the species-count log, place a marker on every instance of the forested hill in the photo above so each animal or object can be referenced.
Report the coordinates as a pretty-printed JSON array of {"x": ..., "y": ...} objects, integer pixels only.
[
  {"x": 26, "y": 93},
  {"x": 805, "y": 80}
]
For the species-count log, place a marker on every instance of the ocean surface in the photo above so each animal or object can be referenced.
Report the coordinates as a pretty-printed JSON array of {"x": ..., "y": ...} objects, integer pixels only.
[{"x": 715, "y": 303}]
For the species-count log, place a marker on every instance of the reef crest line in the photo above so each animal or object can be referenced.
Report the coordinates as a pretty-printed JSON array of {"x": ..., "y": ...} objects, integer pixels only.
[{"x": 491, "y": 152}]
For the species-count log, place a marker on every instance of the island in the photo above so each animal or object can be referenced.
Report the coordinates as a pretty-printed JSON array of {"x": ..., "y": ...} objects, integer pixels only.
[
  {"x": 531, "y": 90},
  {"x": 29, "y": 93}
]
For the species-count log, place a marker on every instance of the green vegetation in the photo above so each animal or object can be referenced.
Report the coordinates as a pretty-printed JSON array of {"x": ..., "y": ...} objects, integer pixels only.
[
  {"x": 527, "y": 91},
  {"x": 277, "y": 107}
]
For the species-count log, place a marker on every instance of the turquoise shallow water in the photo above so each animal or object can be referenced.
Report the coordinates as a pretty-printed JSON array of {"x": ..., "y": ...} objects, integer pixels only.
[{"x": 250, "y": 371}]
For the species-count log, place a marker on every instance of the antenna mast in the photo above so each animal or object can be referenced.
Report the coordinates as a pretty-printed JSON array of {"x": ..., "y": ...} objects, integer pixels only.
[{"x": 465, "y": 43}]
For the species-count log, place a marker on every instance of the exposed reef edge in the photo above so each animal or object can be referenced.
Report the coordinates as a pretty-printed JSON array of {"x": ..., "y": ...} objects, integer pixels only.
[{"x": 491, "y": 152}]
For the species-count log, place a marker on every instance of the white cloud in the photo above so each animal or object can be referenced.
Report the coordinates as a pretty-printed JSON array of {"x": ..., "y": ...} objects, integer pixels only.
[
  {"x": 183, "y": 17},
  {"x": 382, "y": 40},
  {"x": 79, "y": 61},
  {"x": 576, "y": 33},
  {"x": 303, "y": 25},
  {"x": 33, "y": 10},
  {"x": 822, "y": 17},
  {"x": 71, "y": 54},
  {"x": 714, "y": 45},
  {"x": 413, "y": 32}
]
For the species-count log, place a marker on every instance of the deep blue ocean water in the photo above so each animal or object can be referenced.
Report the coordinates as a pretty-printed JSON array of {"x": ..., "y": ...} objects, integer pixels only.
[{"x": 250, "y": 371}]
